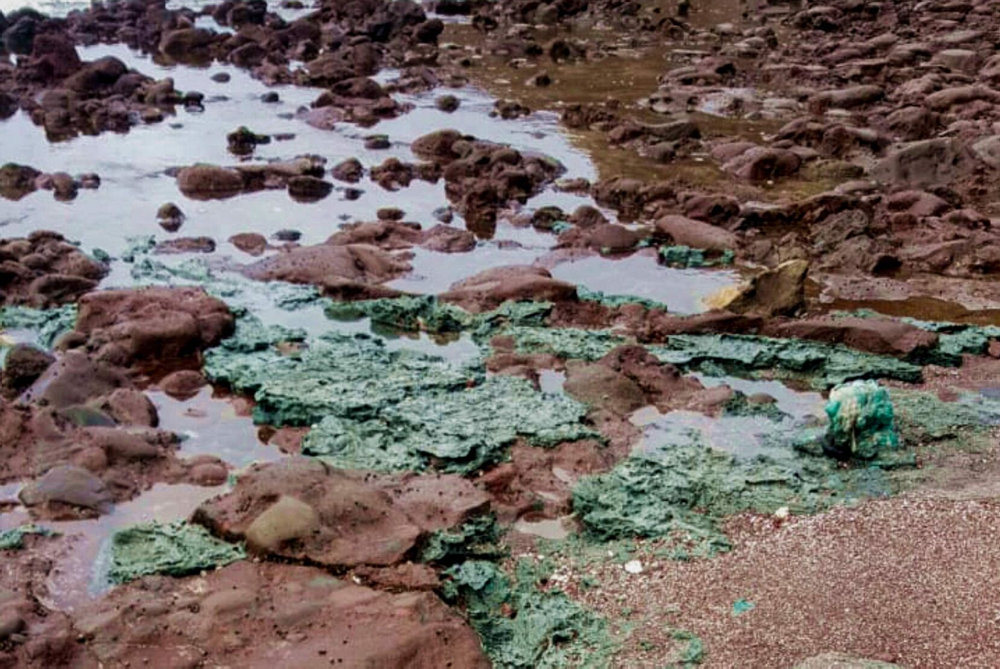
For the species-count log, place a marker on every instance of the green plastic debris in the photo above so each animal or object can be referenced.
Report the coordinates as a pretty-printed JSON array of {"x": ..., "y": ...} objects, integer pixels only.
[
  {"x": 861, "y": 421},
  {"x": 478, "y": 538},
  {"x": 692, "y": 652},
  {"x": 13, "y": 538},
  {"x": 47, "y": 325},
  {"x": 392, "y": 410},
  {"x": 523, "y": 627},
  {"x": 100, "y": 255},
  {"x": 685, "y": 256},
  {"x": 741, "y": 606},
  {"x": 177, "y": 549}
]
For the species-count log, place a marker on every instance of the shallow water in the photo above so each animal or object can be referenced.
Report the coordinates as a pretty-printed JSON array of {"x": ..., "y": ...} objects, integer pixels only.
[
  {"x": 210, "y": 425},
  {"x": 741, "y": 436},
  {"x": 133, "y": 168},
  {"x": 682, "y": 290},
  {"x": 81, "y": 572}
]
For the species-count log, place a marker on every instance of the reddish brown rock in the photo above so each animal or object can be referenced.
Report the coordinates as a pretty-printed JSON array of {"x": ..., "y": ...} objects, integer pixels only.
[
  {"x": 249, "y": 242},
  {"x": 183, "y": 384},
  {"x": 873, "y": 335},
  {"x": 44, "y": 270},
  {"x": 274, "y": 615},
  {"x": 303, "y": 509},
  {"x": 329, "y": 264},
  {"x": 696, "y": 234},
  {"x": 207, "y": 182},
  {"x": 153, "y": 328},
  {"x": 489, "y": 289}
]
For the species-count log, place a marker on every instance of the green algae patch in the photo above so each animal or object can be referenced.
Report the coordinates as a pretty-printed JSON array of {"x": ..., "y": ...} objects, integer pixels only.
[
  {"x": 823, "y": 365},
  {"x": 390, "y": 410},
  {"x": 861, "y": 421},
  {"x": 688, "y": 257},
  {"x": 46, "y": 325},
  {"x": 475, "y": 539},
  {"x": 682, "y": 492},
  {"x": 177, "y": 549},
  {"x": 522, "y": 626},
  {"x": 13, "y": 539}
]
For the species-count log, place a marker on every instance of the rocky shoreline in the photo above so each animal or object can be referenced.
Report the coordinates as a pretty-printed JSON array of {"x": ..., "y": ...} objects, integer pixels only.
[{"x": 524, "y": 334}]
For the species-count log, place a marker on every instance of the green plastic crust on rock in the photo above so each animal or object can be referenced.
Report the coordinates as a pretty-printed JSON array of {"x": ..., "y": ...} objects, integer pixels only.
[
  {"x": 177, "y": 549},
  {"x": 688, "y": 257},
  {"x": 568, "y": 343},
  {"x": 522, "y": 627},
  {"x": 478, "y": 538},
  {"x": 458, "y": 430},
  {"x": 47, "y": 325},
  {"x": 427, "y": 313},
  {"x": 861, "y": 421},
  {"x": 392, "y": 410},
  {"x": 824, "y": 365},
  {"x": 683, "y": 491},
  {"x": 13, "y": 538},
  {"x": 587, "y": 295}
]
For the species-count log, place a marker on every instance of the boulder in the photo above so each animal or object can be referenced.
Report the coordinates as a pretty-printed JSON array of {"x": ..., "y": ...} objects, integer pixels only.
[
  {"x": 302, "y": 509},
  {"x": 489, "y": 289},
  {"x": 762, "y": 163},
  {"x": 324, "y": 264},
  {"x": 923, "y": 163},
  {"x": 685, "y": 231},
  {"x": 207, "y": 182},
  {"x": 152, "y": 327},
  {"x": 778, "y": 291},
  {"x": 67, "y": 485},
  {"x": 261, "y": 614}
]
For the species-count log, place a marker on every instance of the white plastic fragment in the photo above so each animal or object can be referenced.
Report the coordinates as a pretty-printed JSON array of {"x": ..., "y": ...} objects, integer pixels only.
[{"x": 633, "y": 567}]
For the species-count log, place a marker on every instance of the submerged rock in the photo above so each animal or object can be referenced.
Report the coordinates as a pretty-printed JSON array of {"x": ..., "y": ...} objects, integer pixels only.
[{"x": 70, "y": 486}]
